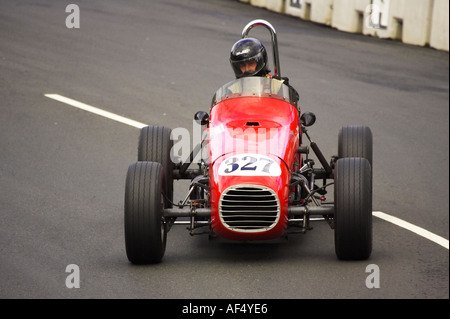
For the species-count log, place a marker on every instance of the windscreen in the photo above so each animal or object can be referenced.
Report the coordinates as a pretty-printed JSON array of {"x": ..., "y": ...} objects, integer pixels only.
[{"x": 256, "y": 87}]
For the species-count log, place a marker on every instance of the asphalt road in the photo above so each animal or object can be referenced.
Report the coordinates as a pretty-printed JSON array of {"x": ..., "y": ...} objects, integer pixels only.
[{"x": 62, "y": 170}]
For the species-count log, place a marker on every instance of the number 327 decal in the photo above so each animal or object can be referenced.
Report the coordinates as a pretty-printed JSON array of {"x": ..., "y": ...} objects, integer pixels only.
[{"x": 249, "y": 165}]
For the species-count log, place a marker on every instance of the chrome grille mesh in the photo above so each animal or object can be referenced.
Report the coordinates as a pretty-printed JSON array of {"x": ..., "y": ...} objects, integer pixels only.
[{"x": 249, "y": 208}]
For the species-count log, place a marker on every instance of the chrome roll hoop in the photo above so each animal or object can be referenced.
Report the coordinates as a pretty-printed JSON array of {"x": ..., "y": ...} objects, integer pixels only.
[{"x": 267, "y": 25}]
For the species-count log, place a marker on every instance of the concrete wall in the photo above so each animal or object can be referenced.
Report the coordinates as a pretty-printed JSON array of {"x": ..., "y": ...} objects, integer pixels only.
[
  {"x": 416, "y": 22},
  {"x": 319, "y": 11},
  {"x": 439, "y": 25},
  {"x": 408, "y": 21}
]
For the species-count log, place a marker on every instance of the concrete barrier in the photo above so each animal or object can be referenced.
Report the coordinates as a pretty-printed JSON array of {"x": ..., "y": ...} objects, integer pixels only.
[
  {"x": 275, "y": 5},
  {"x": 408, "y": 21},
  {"x": 416, "y": 22},
  {"x": 318, "y": 11},
  {"x": 258, "y": 3},
  {"x": 348, "y": 15},
  {"x": 298, "y": 9},
  {"x": 322, "y": 11},
  {"x": 439, "y": 25}
]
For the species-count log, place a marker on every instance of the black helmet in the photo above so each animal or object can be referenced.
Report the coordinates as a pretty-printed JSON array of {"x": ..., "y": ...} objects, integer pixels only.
[{"x": 247, "y": 50}]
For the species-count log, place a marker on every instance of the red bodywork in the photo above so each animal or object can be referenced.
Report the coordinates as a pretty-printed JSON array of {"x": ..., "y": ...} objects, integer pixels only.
[{"x": 263, "y": 126}]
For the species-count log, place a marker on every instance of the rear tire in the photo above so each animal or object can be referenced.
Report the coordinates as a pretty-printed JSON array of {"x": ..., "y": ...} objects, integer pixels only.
[
  {"x": 145, "y": 233},
  {"x": 155, "y": 145},
  {"x": 355, "y": 141},
  {"x": 353, "y": 209}
]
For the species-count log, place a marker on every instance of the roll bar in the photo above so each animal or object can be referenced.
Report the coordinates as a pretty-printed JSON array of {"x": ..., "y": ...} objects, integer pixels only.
[{"x": 264, "y": 23}]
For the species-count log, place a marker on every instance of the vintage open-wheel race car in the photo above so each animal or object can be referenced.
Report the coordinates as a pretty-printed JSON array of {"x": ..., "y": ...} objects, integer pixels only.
[{"x": 254, "y": 179}]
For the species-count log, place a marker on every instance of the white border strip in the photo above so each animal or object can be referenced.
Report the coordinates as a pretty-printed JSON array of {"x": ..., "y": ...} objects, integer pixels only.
[
  {"x": 394, "y": 220},
  {"x": 95, "y": 110},
  {"x": 413, "y": 228}
]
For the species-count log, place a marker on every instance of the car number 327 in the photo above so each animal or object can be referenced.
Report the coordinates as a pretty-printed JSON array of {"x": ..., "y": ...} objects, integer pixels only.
[
  {"x": 249, "y": 165},
  {"x": 248, "y": 191}
]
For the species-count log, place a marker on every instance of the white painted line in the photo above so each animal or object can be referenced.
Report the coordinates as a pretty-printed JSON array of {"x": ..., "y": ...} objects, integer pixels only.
[
  {"x": 96, "y": 110},
  {"x": 413, "y": 228},
  {"x": 394, "y": 220}
]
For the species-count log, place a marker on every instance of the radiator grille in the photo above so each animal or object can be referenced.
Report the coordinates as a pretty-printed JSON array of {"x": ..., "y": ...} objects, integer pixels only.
[{"x": 249, "y": 208}]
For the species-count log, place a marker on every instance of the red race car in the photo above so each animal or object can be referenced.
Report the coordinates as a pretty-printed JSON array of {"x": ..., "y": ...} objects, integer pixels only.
[{"x": 253, "y": 178}]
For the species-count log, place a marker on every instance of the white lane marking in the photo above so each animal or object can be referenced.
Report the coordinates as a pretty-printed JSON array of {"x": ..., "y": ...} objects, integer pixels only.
[
  {"x": 394, "y": 220},
  {"x": 96, "y": 110},
  {"x": 413, "y": 228}
]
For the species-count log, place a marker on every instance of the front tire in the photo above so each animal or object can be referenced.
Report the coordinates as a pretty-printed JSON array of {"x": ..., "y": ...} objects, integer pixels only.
[
  {"x": 145, "y": 233},
  {"x": 353, "y": 209}
]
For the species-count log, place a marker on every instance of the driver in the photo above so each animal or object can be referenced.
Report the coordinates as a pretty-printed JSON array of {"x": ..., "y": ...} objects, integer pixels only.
[{"x": 248, "y": 57}]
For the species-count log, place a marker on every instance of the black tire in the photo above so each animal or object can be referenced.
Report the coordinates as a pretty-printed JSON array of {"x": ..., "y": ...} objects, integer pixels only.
[
  {"x": 353, "y": 209},
  {"x": 355, "y": 141},
  {"x": 145, "y": 233},
  {"x": 155, "y": 145}
]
